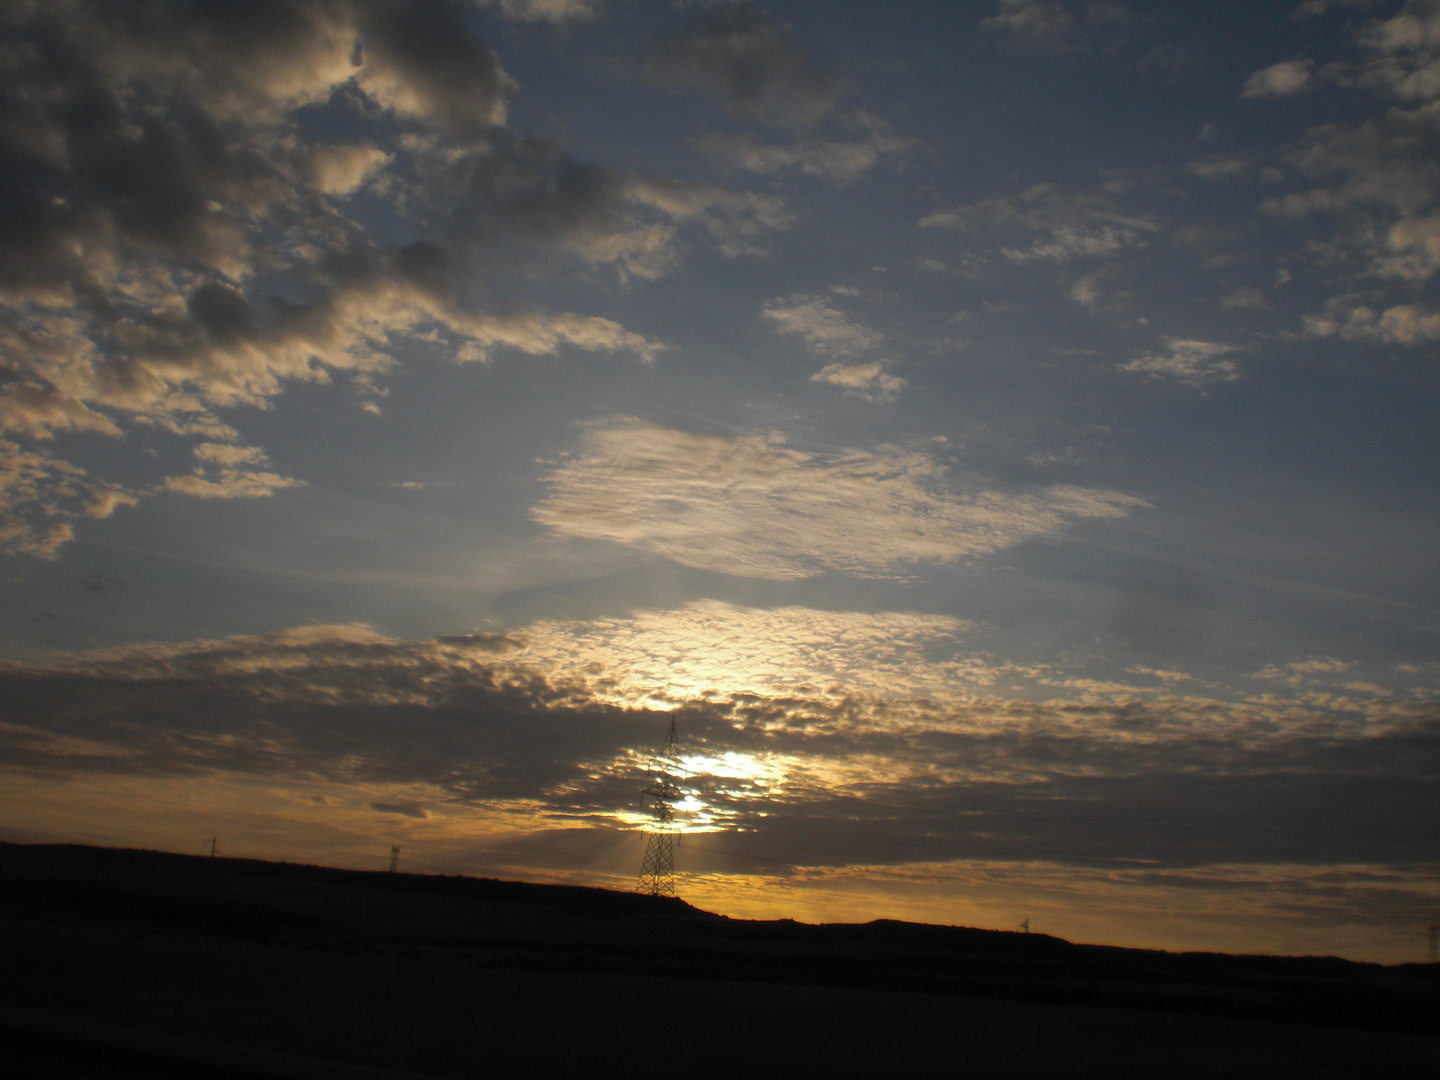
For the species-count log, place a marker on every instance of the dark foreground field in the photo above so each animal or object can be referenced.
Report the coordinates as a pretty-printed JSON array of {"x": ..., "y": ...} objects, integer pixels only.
[{"x": 143, "y": 964}]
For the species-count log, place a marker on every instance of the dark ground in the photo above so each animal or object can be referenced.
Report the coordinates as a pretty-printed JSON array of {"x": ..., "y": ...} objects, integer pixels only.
[{"x": 112, "y": 959}]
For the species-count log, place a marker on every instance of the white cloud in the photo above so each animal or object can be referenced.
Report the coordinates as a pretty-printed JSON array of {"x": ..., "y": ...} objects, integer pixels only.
[
  {"x": 555, "y": 11},
  {"x": 1405, "y": 52},
  {"x": 1069, "y": 226},
  {"x": 710, "y": 647},
  {"x": 830, "y": 332},
  {"x": 1191, "y": 363},
  {"x": 821, "y": 325},
  {"x": 1279, "y": 80},
  {"x": 1348, "y": 318},
  {"x": 1086, "y": 291},
  {"x": 754, "y": 507},
  {"x": 868, "y": 381},
  {"x": 41, "y": 495},
  {"x": 222, "y": 474},
  {"x": 1380, "y": 177}
]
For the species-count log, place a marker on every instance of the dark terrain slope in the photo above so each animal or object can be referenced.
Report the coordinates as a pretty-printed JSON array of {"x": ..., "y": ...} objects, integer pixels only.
[{"x": 138, "y": 963}]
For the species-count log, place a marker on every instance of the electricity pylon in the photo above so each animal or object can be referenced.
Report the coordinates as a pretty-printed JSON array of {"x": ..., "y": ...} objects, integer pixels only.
[
  {"x": 214, "y": 845},
  {"x": 657, "y": 872},
  {"x": 1434, "y": 943},
  {"x": 394, "y": 857}
]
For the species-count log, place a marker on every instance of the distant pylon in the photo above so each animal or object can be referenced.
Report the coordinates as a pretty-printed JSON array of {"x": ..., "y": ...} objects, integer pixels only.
[
  {"x": 394, "y": 857},
  {"x": 1435, "y": 942},
  {"x": 1025, "y": 926},
  {"x": 657, "y": 872},
  {"x": 214, "y": 845}
]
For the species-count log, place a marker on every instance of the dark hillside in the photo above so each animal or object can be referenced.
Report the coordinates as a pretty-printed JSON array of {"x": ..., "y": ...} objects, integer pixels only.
[{"x": 453, "y": 976}]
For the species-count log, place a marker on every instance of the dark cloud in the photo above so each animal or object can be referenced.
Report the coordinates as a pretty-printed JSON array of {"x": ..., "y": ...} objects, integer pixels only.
[
  {"x": 1174, "y": 781},
  {"x": 175, "y": 234},
  {"x": 422, "y": 60},
  {"x": 751, "y": 64}
]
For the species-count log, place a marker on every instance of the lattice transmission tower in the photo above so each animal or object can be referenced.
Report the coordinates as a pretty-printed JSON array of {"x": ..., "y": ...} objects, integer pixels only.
[{"x": 657, "y": 872}]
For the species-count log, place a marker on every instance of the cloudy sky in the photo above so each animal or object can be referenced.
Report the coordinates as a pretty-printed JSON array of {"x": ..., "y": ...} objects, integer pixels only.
[{"x": 1003, "y": 433}]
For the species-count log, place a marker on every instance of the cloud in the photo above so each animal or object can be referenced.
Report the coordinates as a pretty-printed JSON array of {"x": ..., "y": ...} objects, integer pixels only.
[
  {"x": 1051, "y": 26},
  {"x": 1312, "y": 8},
  {"x": 754, "y": 507},
  {"x": 221, "y": 474},
  {"x": 821, "y": 325},
  {"x": 1379, "y": 178},
  {"x": 1405, "y": 52},
  {"x": 420, "y": 60},
  {"x": 1298, "y": 673},
  {"x": 42, "y": 495},
  {"x": 530, "y": 193},
  {"x": 708, "y": 648},
  {"x": 175, "y": 232},
  {"x": 1190, "y": 363},
  {"x": 830, "y": 332},
  {"x": 870, "y": 381},
  {"x": 1349, "y": 319},
  {"x": 39, "y": 410},
  {"x": 1280, "y": 80},
  {"x": 1219, "y": 167},
  {"x": 789, "y": 716},
  {"x": 1087, "y": 291},
  {"x": 1069, "y": 226},
  {"x": 553, "y": 11},
  {"x": 836, "y": 161},
  {"x": 751, "y": 65},
  {"x": 1244, "y": 298}
]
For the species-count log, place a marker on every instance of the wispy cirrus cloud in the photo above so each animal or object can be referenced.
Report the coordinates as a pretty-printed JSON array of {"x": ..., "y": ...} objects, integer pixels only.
[{"x": 751, "y": 506}]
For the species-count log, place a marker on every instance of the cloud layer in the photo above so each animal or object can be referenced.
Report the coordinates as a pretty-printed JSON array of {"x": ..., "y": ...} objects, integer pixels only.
[
  {"x": 756, "y": 508},
  {"x": 548, "y": 729}
]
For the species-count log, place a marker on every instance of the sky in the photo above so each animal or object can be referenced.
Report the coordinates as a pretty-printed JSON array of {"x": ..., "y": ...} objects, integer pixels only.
[{"x": 1002, "y": 434}]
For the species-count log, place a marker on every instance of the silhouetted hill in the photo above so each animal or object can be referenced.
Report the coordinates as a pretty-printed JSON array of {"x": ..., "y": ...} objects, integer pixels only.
[{"x": 455, "y": 976}]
